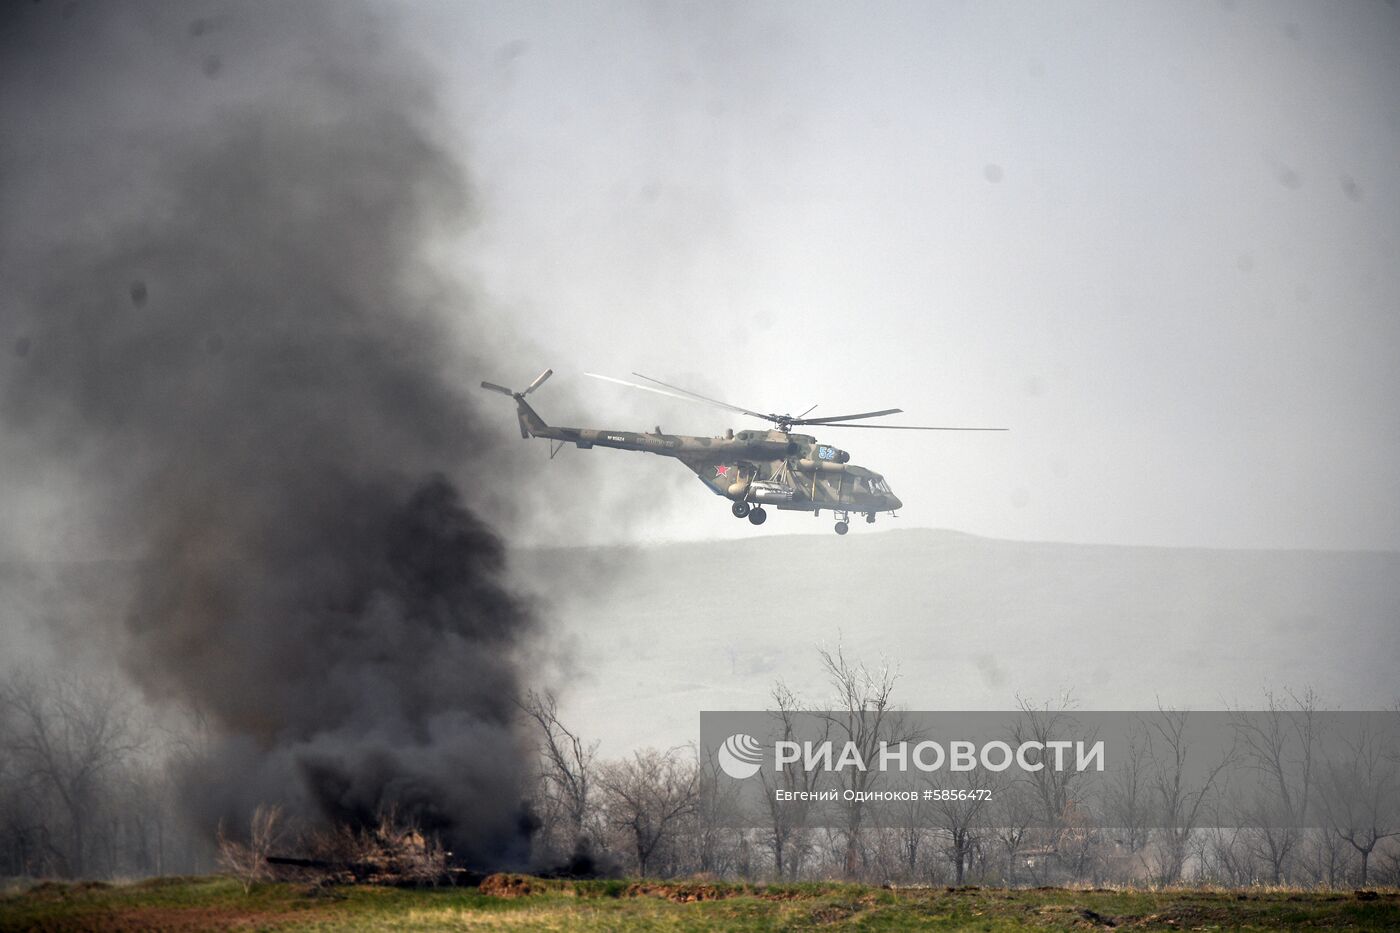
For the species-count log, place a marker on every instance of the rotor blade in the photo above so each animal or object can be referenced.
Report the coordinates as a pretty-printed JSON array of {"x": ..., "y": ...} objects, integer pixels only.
[
  {"x": 539, "y": 381},
  {"x": 864, "y": 414},
  {"x": 909, "y": 427},
  {"x": 703, "y": 398},
  {"x": 495, "y": 388},
  {"x": 683, "y": 398},
  {"x": 807, "y": 412}
]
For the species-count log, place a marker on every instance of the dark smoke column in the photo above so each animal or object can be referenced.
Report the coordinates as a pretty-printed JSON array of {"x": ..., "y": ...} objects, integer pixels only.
[{"x": 231, "y": 343}]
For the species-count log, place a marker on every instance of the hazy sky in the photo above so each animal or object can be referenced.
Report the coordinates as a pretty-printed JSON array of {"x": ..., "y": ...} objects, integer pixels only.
[{"x": 1157, "y": 240}]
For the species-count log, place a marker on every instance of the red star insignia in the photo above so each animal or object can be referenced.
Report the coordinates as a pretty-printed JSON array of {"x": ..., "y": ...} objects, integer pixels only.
[{"x": 721, "y": 471}]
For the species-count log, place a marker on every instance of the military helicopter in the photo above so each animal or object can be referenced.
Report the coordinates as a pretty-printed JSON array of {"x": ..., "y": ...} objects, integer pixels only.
[{"x": 753, "y": 469}]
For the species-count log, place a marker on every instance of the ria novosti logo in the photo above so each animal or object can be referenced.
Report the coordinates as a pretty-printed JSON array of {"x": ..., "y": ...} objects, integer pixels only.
[{"x": 740, "y": 756}]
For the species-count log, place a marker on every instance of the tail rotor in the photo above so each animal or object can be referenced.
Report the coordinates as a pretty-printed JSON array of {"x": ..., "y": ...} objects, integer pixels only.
[
  {"x": 539, "y": 381},
  {"x": 530, "y": 423}
]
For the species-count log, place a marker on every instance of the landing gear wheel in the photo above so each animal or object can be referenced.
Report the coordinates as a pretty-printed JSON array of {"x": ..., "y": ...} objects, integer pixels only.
[
  {"x": 842, "y": 528},
  {"x": 870, "y": 518},
  {"x": 740, "y": 509},
  {"x": 758, "y": 516}
]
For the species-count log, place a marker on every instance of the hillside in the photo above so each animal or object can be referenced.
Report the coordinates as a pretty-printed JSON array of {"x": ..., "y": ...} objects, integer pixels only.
[
  {"x": 653, "y": 635},
  {"x": 639, "y": 640}
]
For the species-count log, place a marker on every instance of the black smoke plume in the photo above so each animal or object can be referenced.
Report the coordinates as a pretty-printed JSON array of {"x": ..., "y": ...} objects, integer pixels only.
[{"x": 217, "y": 318}]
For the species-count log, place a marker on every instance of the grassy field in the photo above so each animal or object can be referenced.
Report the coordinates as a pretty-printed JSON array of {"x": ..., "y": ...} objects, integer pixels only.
[{"x": 525, "y": 903}]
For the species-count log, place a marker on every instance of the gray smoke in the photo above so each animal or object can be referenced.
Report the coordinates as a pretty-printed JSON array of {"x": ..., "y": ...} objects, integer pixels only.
[{"x": 215, "y": 316}]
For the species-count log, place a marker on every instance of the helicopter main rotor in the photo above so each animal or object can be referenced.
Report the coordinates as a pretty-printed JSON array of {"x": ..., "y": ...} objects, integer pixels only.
[{"x": 785, "y": 422}]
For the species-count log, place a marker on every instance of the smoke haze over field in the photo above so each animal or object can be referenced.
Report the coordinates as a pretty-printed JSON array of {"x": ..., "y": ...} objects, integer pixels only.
[
  {"x": 220, "y": 347},
  {"x": 238, "y": 352}
]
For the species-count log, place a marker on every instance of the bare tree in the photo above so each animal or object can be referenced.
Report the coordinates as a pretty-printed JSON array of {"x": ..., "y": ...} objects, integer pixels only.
[
  {"x": 788, "y": 833},
  {"x": 1360, "y": 794},
  {"x": 909, "y": 833},
  {"x": 1326, "y": 858},
  {"x": 863, "y": 715},
  {"x": 963, "y": 820},
  {"x": 1013, "y": 812},
  {"x": 1278, "y": 745},
  {"x": 24, "y": 820},
  {"x": 1055, "y": 790},
  {"x": 716, "y": 846},
  {"x": 1180, "y": 802},
  {"x": 66, "y": 736},
  {"x": 568, "y": 765},
  {"x": 1127, "y": 803},
  {"x": 1222, "y": 855},
  {"x": 247, "y": 861},
  {"x": 648, "y": 797}
]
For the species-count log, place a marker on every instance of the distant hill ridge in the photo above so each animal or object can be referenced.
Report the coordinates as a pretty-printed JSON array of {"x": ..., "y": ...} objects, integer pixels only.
[
  {"x": 642, "y": 637},
  {"x": 667, "y": 629}
]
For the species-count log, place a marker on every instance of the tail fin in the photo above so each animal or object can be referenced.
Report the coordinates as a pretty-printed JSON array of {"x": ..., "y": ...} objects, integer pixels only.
[{"x": 530, "y": 423}]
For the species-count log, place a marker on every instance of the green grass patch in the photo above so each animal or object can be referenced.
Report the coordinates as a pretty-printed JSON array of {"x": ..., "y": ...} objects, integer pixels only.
[{"x": 523, "y": 903}]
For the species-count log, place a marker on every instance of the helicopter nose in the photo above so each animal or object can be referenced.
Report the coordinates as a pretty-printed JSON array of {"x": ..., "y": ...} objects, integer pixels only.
[{"x": 892, "y": 502}]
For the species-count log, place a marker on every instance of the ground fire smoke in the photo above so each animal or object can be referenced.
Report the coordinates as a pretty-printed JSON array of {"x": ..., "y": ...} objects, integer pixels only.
[{"x": 239, "y": 355}]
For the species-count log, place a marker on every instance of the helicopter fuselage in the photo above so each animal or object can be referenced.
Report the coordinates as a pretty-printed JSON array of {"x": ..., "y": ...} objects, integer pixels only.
[{"x": 793, "y": 472}]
